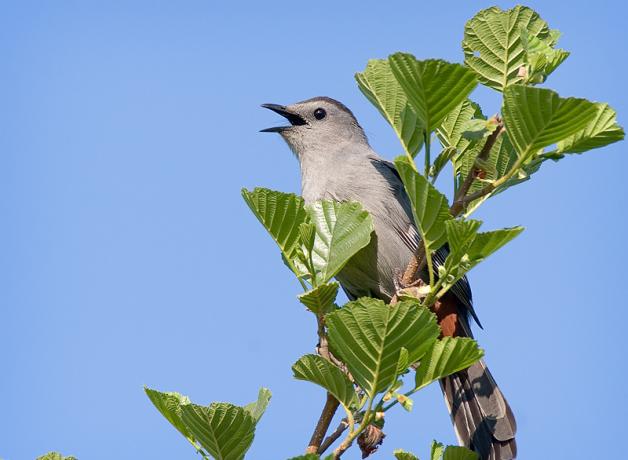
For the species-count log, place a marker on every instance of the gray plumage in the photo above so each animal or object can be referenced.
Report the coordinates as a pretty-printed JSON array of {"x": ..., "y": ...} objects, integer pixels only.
[{"x": 338, "y": 163}]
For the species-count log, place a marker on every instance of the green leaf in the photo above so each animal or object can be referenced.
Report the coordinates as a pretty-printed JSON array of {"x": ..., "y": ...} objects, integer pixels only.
[
  {"x": 436, "y": 452},
  {"x": 380, "y": 86},
  {"x": 451, "y": 129},
  {"x": 444, "y": 157},
  {"x": 459, "y": 453},
  {"x": 477, "y": 128},
  {"x": 368, "y": 336},
  {"x": 493, "y": 45},
  {"x": 467, "y": 247},
  {"x": 169, "y": 404},
  {"x": 342, "y": 229},
  {"x": 281, "y": 214},
  {"x": 460, "y": 236},
  {"x": 257, "y": 408},
  {"x": 403, "y": 361},
  {"x": 54, "y": 456},
  {"x": 307, "y": 232},
  {"x": 600, "y": 131},
  {"x": 318, "y": 370},
  {"x": 403, "y": 455},
  {"x": 447, "y": 356},
  {"x": 500, "y": 161},
  {"x": 429, "y": 207},
  {"x": 541, "y": 57},
  {"x": 320, "y": 300},
  {"x": 224, "y": 430},
  {"x": 487, "y": 243},
  {"x": 433, "y": 87},
  {"x": 536, "y": 118}
]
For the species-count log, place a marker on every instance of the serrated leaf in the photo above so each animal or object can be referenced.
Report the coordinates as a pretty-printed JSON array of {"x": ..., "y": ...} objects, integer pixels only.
[
  {"x": 500, "y": 161},
  {"x": 447, "y": 356},
  {"x": 600, "y": 131},
  {"x": 320, "y": 300},
  {"x": 493, "y": 46},
  {"x": 436, "y": 452},
  {"x": 476, "y": 128},
  {"x": 307, "y": 232},
  {"x": 403, "y": 455},
  {"x": 460, "y": 235},
  {"x": 459, "y": 453},
  {"x": 487, "y": 243},
  {"x": 540, "y": 55},
  {"x": 536, "y": 118},
  {"x": 318, "y": 370},
  {"x": 467, "y": 247},
  {"x": 55, "y": 456},
  {"x": 342, "y": 229},
  {"x": 225, "y": 431},
  {"x": 257, "y": 408},
  {"x": 450, "y": 131},
  {"x": 444, "y": 157},
  {"x": 281, "y": 214},
  {"x": 368, "y": 336},
  {"x": 429, "y": 207},
  {"x": 403, "y": 361},
  {"x": 381, "y": 88},
  {"x": 169, "y": 404},
  {"x": 433, "y": 87}
]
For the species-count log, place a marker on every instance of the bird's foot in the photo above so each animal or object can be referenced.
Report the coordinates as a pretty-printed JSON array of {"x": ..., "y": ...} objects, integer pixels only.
[{"x": 417, "y": 288}]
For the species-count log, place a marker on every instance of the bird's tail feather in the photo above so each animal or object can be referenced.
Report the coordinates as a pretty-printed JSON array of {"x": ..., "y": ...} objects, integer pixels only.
[{"x": 481, "y": 415}]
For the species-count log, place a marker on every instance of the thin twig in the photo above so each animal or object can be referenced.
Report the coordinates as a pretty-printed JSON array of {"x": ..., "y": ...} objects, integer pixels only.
[
  {"x": 329, "y": 440},
  {"x": 331, "y": 403},
  {"x": 461, "y": 199}
]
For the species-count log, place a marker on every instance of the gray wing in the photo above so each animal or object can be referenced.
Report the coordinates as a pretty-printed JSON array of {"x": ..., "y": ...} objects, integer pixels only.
[{"x": 408, "y": 233}]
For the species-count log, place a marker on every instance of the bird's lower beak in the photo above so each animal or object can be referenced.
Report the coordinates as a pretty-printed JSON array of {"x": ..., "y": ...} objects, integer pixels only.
[{"x": 294, "y": 118}]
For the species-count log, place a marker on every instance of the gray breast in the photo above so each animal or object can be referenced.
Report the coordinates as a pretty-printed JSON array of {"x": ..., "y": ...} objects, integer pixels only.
[{"x": 371, "y": 182}]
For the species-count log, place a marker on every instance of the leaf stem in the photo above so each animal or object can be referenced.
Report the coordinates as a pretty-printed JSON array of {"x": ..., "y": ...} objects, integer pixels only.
[
  {"x": 430, "y": 265},
  {"x": 428, "y": 161},
  {"x": 199, "y": 450},
  {"x": 366, "y": 419}
]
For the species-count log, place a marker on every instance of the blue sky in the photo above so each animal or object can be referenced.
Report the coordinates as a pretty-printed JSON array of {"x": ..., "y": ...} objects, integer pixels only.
[{"x": 130, "y": 259}]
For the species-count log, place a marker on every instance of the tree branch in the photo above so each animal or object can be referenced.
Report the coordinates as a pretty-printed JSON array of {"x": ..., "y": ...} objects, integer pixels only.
[
  {"x": 461, "y": 199},
  {"x": 331, "y": 403},
  {"x": 327, "y": 414},
  {"x": 329, "y": 440}
]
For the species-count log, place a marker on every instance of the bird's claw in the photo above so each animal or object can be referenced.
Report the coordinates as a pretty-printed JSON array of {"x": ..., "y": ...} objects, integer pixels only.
[{"x": 416, "y": 288}]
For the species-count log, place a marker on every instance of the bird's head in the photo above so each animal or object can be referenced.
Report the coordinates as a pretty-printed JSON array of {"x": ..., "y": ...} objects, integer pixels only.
[{"x": 317, "y": 124}]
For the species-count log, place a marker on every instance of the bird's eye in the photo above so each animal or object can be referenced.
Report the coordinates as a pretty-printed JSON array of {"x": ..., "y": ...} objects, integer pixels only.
[{"x": 319, "y": 114}]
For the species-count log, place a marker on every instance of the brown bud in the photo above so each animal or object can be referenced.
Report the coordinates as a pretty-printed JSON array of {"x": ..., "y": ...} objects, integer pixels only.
[{"x": 370, "y": 439}]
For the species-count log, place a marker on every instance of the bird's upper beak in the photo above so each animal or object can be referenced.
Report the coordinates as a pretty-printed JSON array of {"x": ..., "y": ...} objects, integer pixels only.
[{"x": 294, "y": 118}]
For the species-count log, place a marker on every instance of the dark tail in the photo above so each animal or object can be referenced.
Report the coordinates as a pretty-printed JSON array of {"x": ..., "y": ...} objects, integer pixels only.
[{"x": 481, "y": 415}]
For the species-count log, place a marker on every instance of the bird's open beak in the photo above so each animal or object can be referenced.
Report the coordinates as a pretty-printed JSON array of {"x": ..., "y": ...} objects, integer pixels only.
[{"x": 294, "y": 118}]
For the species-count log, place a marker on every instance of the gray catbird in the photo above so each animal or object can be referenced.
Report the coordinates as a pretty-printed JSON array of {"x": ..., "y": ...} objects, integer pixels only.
[{"x": 338, "y": 163}]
